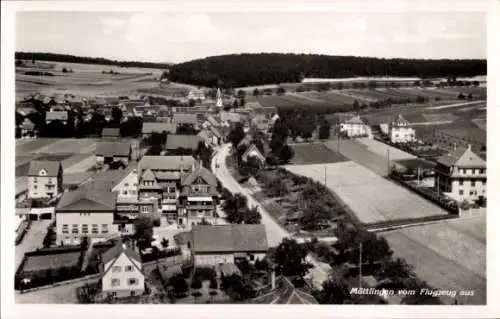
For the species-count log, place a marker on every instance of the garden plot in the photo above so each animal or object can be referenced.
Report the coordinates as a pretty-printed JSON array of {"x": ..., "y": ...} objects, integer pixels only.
[
  {"x": 372, "y": 197},
  {"x": 315, "y": 153},
  {"x": 381, "y": 149},
  {"x": 33, "y": 145},
  {"x": 440, "y": 117},
  {"x": 79, "y": 163},
  {"x": 448, "y": 255}
]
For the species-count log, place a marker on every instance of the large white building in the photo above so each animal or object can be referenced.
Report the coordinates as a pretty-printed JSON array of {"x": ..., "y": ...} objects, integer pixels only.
[
  {"x": 121, "y": 271},
  {"x": 400, "y": 131},
  {"x": 354, "y": 127},
  {"x": 461, "y": 175}
]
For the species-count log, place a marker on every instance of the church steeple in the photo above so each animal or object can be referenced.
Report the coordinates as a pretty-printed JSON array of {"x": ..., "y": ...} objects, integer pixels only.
[{"x": 219, "y": 98}]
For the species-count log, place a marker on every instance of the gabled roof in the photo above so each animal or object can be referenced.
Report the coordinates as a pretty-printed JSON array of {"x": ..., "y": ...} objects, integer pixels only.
[
  {"x": 245, "y": 141},
  {"x": 462, "y": 157},
  {"x": 85, "y": 199},
  {"x": 51, "y": 167},
  {"x": 400, "y": 121},
  {"x": 107, "y": 180},
  {"x": 168, "y": 163},
  {"x": 113, "y": 149},
  {"x": 200, "y": 172},
  {"x": 148, "y": 175},
  {"x": 229, "y": 238},
  {"x": 175, "y": 141},
  {"x": 27, "y": 124},
  {"x": 56, "y": 115},
  {"x": 185, "y": 118},
  {"x": 355, "y": 120},
  {"x": 114, "y": 253},
  {"x": 111, "y": 131},
  {"x": 254, "y": 148}
]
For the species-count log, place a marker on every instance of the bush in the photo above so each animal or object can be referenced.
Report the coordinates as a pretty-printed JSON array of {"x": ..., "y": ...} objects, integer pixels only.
[
  {"x": 196, "y": 283},
  {"x": 156, "y": 222},
  {"x": 205, "y": 273}
]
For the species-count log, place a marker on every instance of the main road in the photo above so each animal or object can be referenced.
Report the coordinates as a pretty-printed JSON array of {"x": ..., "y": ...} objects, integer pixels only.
[{"x": 275, "y": 233}]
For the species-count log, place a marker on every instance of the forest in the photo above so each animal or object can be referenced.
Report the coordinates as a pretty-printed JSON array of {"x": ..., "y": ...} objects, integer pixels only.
[
  {"x": 239, "y": 70},
  {"x": 54, "y": 57}
]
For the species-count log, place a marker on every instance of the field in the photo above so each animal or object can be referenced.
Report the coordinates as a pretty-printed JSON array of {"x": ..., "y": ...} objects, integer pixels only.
[
  {"x": 372, "y": 197},
  {"x": 448, "y": 255},
  {"x": 315, "y": 153},
  {"x": 385, "y": 150}
]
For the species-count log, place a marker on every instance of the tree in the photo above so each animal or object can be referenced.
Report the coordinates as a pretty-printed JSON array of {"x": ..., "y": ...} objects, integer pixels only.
[
  {"x": 461, "y": 96},
  {"x": 315, "y": 215},
  {"x": 64, "y": 70},
  {"x": 196, "y": 283},
  {"x": 144, "y": 229},
  {"x": 116, "y": 115},
  {"x": 236, "y": 135},
  {"x": 280, "y": 90},
  {"x": 241, "y": 94},
  {"x": 179, "y": 285},
  {"x": 191, "y": 102},
  {"x": 355, "y": 106},
  {"x": 256, "y": 92},
  {"x": 334, "y": 292},
  {"x": 290, "y": 258},
  {"x": 187, "y": 129},
  {"x": 164, "y": 242},
  {"x": 250, "y": 167},
  {"x": 252, "y": 216},
  {"x": 235, "y": 104},
  {"x": 285, "y": 153},
  {"x": 324, "y": 130},
  {"x": 238, "y": 288},
  {"x": 196, "y": 295}
]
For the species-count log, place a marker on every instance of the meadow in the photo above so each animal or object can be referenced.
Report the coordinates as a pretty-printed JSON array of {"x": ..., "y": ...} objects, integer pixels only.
[{"x": 315, "y": 153}]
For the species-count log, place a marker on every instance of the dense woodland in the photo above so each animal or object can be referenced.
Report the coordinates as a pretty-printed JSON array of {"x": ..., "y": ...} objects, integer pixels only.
[
  {"x": 238, "y": 70},
  {"x": 54, "y": 57}
]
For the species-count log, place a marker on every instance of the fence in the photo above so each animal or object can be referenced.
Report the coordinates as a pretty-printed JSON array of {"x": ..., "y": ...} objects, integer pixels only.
[
  {"x": 441, "y": 201},
  {"x": 62, "y": 283}
]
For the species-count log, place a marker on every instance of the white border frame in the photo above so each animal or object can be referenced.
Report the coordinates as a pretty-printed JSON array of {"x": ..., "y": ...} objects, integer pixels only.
[{"x": 11, "y": 310}]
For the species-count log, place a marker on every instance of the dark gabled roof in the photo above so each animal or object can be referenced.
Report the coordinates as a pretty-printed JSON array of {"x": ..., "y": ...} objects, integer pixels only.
[
  {"x": 158, "y": 127},
  {"x": 113, "y": 149},
  {"x": 111, "y": 131},
  {"x": 85, "y": 199},
  {"x": 229, "y": 238},
  {"x": 462, "y": 157},
  {"x": 51, "y": 167},
  {"x": 202, "y": 172},
  {"x": 168, "y": 163},
  {"x": 175, "y": 141},
  {"x": 117, "y": 250}
]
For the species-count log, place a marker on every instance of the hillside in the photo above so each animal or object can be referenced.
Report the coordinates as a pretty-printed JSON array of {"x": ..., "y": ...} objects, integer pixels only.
[
  {"x": 238, "y": 70},
  {"x": 54, "y": 57}
]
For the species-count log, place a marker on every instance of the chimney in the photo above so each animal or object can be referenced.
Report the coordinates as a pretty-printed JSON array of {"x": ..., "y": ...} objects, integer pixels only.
[{"x": 469, "y": 147}]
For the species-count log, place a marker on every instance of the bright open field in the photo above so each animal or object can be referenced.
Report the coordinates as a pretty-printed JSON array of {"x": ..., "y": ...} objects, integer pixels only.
[
  {"x": 372, "y": 197},
  {"x": 71, "y": 145},
  {"x": 315, "y": 153},
  {"x": 385, "y": 150},
  {"x": 448, "y": 255}
]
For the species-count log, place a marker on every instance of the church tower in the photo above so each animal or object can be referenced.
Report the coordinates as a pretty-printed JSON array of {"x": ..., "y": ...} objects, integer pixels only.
[{"x": 219, "y": 98}]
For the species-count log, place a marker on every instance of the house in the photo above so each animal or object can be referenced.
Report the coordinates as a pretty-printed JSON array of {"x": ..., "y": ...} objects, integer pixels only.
[
  {"x": 461, "y": 175},
  {"x": 214, "y": 120},
  {"x": 160, "y": 179},
  {"x": 219, "y": 244},
  {"x": 109, "y": 152},
  {"x": 86, "y": 213},
  {"x": 45, "y": 179},
  {"x": 209, "y": 137},
  {"x": 353, "y": 127},
  {"x": 27, "y": 128},
  {"x": 196, "y": 94},
  {"x": 198, "y": 197},
  {"x": 185, "y": 118},
  {"x": 253, "y": 151},
  {"x": 122, "y": 181},
  {"x": 149, "y": 128},
  {"x": 121, "y": 269},
  {"x": 175, "y": 141},
  {"x": 400, "y": 131},
  {"x": 56, "y": 115},
  {"x": 110, "y": 132}
]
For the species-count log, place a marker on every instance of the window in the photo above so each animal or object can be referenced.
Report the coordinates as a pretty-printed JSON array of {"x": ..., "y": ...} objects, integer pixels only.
[
  {"x": 35, "y": 180},
  {"x": 35, "y": 186},
  {"x": 133, "y": 281},
  {"x": 125, "y": 192},
  {"x": 85, "y": 229},
  {"x": 126, "y": 184},
  {"x": 471, "y": 193},
  {"x": 95, "y": 230},
  {"x": 481, "y": 171},
  {"x": 484, "y": 183},
  {"x": 461, "y": 192},
  {"x": 115, "y": 282},
  {"x": 252, "y": 257},
  {"x": 145, "y": 209},
  {"x": 473, "y": 183},
  {"x": 129, "y": 268},
  {"x": 116, "y": 269},
  {"x": 104, "y": 228},
  {"x": 74, "y": 229},
  {"x": 461, "y": 182},
  {"x": 65, "y": 229}
]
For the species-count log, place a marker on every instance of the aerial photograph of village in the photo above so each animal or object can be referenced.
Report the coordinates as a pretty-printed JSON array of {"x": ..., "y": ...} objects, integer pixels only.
[{"x": 249, "y": 159}]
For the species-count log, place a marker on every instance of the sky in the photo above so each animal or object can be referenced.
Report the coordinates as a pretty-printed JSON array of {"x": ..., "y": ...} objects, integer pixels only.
[{"x": 184, "y": 36}]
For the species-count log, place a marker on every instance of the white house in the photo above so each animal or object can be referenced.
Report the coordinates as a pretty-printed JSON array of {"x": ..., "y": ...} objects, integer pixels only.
[
  {"x": 219, "y": 244},
  {"x": 354, "y": 127},
  {"x": 400, "y": 131},
  {"x": 45, "y": 179},
  {"x": 121, "y": 269}
]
